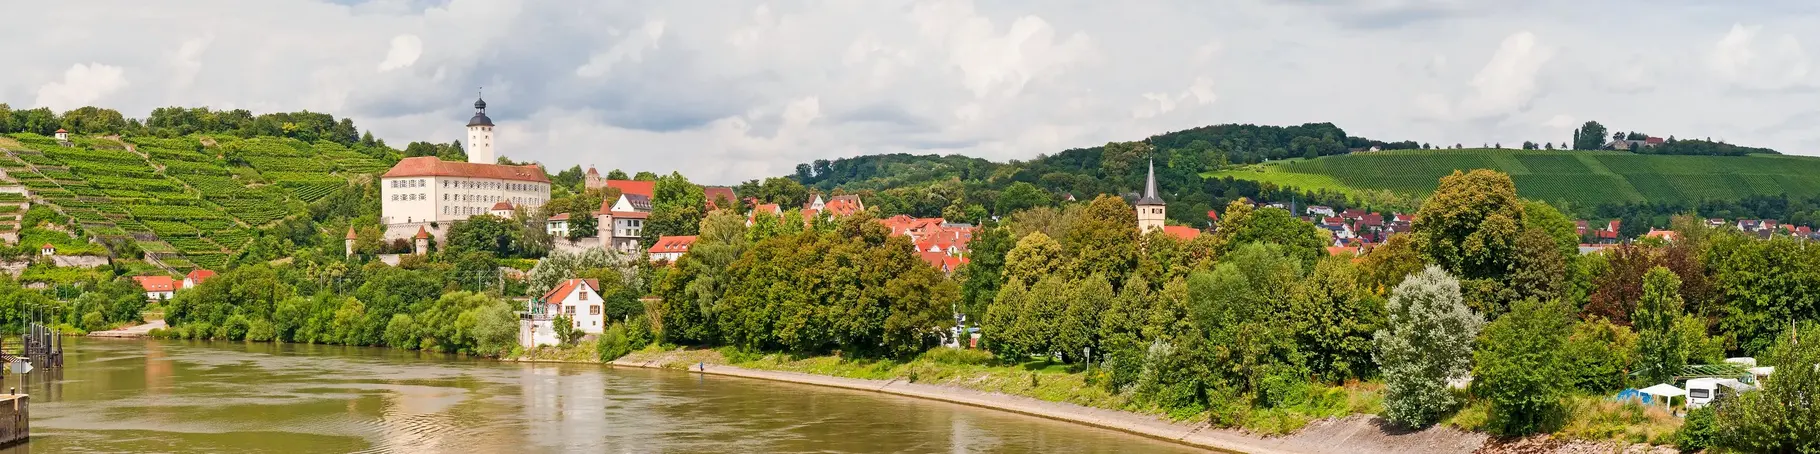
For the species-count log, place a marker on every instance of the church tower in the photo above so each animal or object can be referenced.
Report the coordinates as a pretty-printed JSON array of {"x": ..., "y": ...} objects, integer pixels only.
[
  {"x": 480, "y": 135},
  {"x": 1150, "y": 207}
]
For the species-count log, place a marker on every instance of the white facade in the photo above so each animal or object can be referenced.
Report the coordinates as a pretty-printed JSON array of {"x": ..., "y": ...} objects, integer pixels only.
[
  {"x": 445, "y": 198},
  {"x": 480, "y": 144},
  {"x": 584, "y": 308},
  {"x": 620, "y": 233},
  {"x": 557, "y": 227}
]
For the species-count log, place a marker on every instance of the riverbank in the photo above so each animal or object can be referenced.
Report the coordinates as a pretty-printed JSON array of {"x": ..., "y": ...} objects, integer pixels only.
[{"x": 1352, "y": 434}]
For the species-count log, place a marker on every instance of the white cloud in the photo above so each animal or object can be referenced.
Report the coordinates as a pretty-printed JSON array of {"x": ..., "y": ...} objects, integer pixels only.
[
  {"x": 82, "y": 85},
  {"x": 727, "y": 90},
  {"x": 404, "y": 53}
]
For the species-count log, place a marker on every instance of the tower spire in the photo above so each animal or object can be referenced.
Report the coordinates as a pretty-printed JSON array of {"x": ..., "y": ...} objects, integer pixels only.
[{"x": 1150, "y": 197}]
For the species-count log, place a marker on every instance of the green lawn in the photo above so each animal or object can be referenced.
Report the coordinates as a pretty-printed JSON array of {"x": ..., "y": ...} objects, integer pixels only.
[{"x": 1585, "y": 177}]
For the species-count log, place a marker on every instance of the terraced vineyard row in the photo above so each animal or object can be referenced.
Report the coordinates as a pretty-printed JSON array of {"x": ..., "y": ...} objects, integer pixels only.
[{"x": 191, "y": 205}]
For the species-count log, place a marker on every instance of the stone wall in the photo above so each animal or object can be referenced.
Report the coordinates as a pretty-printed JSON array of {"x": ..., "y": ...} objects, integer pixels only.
[{"x": 15, "y": 419}]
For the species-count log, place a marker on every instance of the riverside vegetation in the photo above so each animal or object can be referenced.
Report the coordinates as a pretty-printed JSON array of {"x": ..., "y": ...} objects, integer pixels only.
[{"x": 1252, "y": 326}]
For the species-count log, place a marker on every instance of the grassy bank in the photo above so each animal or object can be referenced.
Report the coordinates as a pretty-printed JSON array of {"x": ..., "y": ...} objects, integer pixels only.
[{"x": 980, "y": 371}]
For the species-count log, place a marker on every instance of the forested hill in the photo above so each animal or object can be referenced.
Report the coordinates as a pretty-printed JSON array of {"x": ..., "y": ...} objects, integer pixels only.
[{"x": 964, "y": 188}]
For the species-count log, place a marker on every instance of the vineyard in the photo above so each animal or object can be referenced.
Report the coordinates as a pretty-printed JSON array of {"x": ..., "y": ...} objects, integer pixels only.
[
  {"x": 186, "y": 204},
  {"x": 1583, "y": 177}
]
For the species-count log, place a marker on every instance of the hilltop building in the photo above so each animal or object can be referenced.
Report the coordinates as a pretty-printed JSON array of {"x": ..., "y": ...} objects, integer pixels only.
[{"x": 428, "y": 192}]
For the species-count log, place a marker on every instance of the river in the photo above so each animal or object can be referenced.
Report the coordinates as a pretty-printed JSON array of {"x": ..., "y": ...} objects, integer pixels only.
[{"x": 229, "y": 397}]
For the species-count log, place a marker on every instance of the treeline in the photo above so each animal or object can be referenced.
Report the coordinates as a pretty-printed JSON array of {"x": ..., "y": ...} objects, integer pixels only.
[
  {"x": 820, "y": 286},
  {"x": 1594, "y": 136},
  {"x": 1639, "y": 217}
]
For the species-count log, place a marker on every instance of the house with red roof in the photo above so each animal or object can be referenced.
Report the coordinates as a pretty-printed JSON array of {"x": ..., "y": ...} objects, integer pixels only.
[
  {"x": 719, "y": 197},
  {"x": 47, "y": 250},
  {"x": 1182, "y": 232},
  {"x": 158, "y": 288},
  {"x": 620, "y": 230},
  {"x": 196, "y": 277},
  {"x": 668, "y": 249},
  {"x": 61, "y": 135},
  {"x": 577, "y": 299}
]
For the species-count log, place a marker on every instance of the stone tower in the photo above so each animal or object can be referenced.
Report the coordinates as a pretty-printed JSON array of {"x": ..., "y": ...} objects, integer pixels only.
[
  {"x": 1149, "y": 207},
  {"x": 350, "y": 242},
  {"x": 422, "y": 243},
  {"x": 480, "y": 135}
]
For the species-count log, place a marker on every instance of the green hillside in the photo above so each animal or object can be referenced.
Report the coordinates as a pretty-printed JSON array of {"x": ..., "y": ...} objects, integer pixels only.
[
  {"x": 184, "y": 204},
  {"x": 1582, "y": 177}
]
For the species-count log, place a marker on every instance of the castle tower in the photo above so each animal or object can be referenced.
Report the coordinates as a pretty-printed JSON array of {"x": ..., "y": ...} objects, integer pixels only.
[
  {"x": 1149, "y": 207},
  {"x": 422, "y": 245},
  {"x": 350, "y": 242},
  {"x": 480, "y": 135}
]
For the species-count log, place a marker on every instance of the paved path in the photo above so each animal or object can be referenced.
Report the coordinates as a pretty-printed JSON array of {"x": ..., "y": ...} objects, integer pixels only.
[
  {"x": 130, "y": 331},
  {"x": 1348, "y": 435}
]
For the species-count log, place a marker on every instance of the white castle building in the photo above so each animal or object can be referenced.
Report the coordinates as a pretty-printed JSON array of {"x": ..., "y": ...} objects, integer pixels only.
[{"x": 428, "y": 192}]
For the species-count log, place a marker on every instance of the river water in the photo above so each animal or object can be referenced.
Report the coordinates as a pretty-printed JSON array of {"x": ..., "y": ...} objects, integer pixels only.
[{"x": 172, "y": 396}]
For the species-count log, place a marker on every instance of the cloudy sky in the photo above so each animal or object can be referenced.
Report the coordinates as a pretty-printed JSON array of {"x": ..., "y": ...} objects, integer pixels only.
[{"x": 732, "y": 90}]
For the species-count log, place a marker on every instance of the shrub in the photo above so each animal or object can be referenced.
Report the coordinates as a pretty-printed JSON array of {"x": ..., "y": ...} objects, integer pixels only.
[
  {"x": 94, "y": 321},
  {"x": 1697, "y": 432},
  {"x": 401, "y": 332},
  {"x": 613, "y": 343},
  {"x": 261, "y": 330},
  {"x": 1427, "y": 341},
  {"x": 1601, "y": 354},
  {"x": 234, "y": 328},
  {"x": 958, "y": 356},
  {"x": 1521, "y": 367}
]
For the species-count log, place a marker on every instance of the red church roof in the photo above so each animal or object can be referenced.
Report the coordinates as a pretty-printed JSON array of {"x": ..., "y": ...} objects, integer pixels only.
[
  {"x": 430, "y": 166},
  {"x": 643, "y": 188}
]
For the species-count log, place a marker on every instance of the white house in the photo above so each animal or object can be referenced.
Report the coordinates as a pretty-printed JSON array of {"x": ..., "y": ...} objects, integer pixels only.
[
  {"x": 557, "y": 226},
  {"x": 671, "y": 248},
  {"x": 502, "y": 209},
  {"x": 426, "y": 189},
  {"x": 157, "y": 288},
  {"x": 47, "y": 250},
  {"x": 579, "y": 299},
  {"x": 1324, "y": 211},
  {"x": 620, "y": 224}
]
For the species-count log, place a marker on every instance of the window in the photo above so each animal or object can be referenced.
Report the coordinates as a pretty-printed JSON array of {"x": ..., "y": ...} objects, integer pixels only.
[
  {"x": 594, "y": 310},
  {"x": 1698, "y": 393},
  {"x": 584, "y": 295},
  {"x": 569, "y": 309}
]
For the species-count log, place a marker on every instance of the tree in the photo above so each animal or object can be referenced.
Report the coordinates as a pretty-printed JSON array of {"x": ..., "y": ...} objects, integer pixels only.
[
  {"x": 1237, "y": 306},
  {"x": 1521, "y": 367},
  {"x": 1020, "y": 196},
  {"x": 1242, "y": 224},
  {"x": 677, "y": 208},
  {"x": 1538, "y": 270},
  {"x": 1470, "y": 223},
  {"x": 999, "y": 330},
  {"x": 1088, "y": 301},
  {"x": 1780, "y": 417},
  {"x": 1334, "y": 318},
  {"x": 1035, "y": 257},
  {"x": 1591, "y": 136},
  {"x": 1538, "y": 215},
  {"x": 1660, "y": 354},
  {"x": 1427, "y": 341},
  {"x": 984, "y": 273},
  {"x": 1103, "y": 240},
  {"x": 565, "y": 329},
  {"x": 1600, "y": 355},
  {"x": 1389, "y": 263},
  {"x": 487, "y": 233}
]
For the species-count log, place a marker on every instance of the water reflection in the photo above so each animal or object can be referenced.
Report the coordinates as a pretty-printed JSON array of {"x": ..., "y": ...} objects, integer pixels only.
[{"x": 152, "y": 396}]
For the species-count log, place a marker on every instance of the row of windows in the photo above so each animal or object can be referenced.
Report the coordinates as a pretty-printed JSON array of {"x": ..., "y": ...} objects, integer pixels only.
[
  {"x": 418, "y": 183},
  {"x": 592, "y": 310},
  {"x": 400, "y": 197}
]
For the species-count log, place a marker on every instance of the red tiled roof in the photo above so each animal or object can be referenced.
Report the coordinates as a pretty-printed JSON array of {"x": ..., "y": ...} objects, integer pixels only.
[
  {"x": 1214, "y": 215},
  {"x": 560, "y": 217},
  {"x": 676, "y": 244},
  {"x": 713, "y": 193},
  {"x": 1182, "y": 231},
  {"x": 58, "y": 130},
  {"x": 769, "y": 208},
  {"x": 643, "y": 188},
  {"x": 430, "y": 166},
  {"x": 48, "y": 246},
  {"x": 561, "y": 292},
  {"x": 502, "y": 205},
  {"x": 157, "y": 283},
  {"x": 199, "y": 275},
  {"x": 351, "y": 234},
  {"x": 422, "y": 234}
]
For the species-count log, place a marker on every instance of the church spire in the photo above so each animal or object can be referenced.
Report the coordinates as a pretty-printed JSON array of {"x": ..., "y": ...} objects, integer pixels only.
[{"x": 1150, "y": 197}]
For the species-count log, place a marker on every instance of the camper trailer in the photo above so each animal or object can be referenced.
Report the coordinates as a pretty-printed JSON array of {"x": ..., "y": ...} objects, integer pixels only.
[{"x": 1704, "y": 391}]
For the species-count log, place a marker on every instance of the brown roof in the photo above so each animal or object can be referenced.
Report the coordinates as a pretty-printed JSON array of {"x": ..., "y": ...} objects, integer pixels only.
[
  {"x": 200, "y": 275},
  {"x": 422, "y": 234},
  {"x": 643, "y": 188},
  {"x": 502, "y": 205},
  {"x": 561, "y": 292},
  {"x": 48, "y": 246},
  {"x": 351, "y": 234},
  {"x": 560, "y": 217},
  {"x": 430, "y": 166}
]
